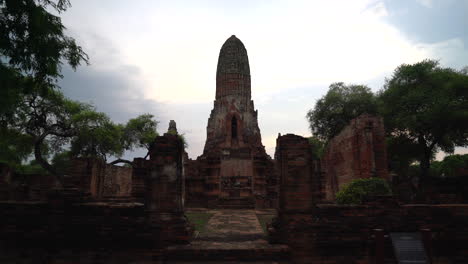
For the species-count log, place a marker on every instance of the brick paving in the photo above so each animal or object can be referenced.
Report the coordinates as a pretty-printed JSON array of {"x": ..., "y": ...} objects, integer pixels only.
[
  {"x": 230, "y": 235},
  {"x": 232, "y": 226}
]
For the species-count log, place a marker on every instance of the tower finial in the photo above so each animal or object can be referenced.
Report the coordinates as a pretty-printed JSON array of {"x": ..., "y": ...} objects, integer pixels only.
[{"x": 172, "y": 127}]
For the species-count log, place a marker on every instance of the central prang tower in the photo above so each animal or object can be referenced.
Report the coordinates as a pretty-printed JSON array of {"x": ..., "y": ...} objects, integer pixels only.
[
  {"x": 234, "y": 166},
  {"x": 233, "y": 120}
]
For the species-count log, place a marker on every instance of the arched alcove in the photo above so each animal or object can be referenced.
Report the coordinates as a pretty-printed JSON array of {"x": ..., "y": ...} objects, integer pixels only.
[{"x": 234, "y": 127}]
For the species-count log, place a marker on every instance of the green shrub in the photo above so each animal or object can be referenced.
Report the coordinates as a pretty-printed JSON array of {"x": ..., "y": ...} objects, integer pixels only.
[{"x": 357, "y": 190}]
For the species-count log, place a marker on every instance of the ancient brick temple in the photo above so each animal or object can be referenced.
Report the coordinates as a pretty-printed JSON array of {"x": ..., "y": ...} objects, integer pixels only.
[{"x": 234, "y": 169}]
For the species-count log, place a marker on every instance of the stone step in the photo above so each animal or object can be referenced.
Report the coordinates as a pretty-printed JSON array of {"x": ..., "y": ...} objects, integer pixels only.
[
  {"x": 232, "y": 262},
  {"x": 227, "y": 252},
  {"x": 236, "y": 203}
]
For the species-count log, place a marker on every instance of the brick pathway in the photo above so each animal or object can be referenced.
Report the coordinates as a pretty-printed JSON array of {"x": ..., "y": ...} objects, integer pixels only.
[
  {"x": 231, "y": 236},
  {"x": 232, "y": 227}
]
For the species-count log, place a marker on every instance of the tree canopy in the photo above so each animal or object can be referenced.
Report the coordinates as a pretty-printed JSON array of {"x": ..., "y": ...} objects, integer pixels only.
[
  {"x": 35, "y": 117},
  {"x": 427, "y": 105},
  {"x": 33, "y": 48},
  {"x": 356, "y": 191},
  {"x": 340, "y": 105}
]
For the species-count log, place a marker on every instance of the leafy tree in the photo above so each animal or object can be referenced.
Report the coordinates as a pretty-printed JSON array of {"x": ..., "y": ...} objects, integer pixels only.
[
  {"x": 338, "y": 107},
  {"x": 356, "y": 191},
  {"x": 427, "y": 105},
  {"x": 97, "y": 136},
  {"x": 33, "y": 40},
  {"x": 449, "y": 166},
  {"x": 61, "y": 162},
  {"x": 317, "y": 147},
  {"x": 15, "y": 147},
  {"x": 49, "y": 121},
  {"x": 402, "y": 152},
  {"x": 106, "y": 139},
  {"x": 140, "y": 132},
  {"x": 33, "y": 48}
]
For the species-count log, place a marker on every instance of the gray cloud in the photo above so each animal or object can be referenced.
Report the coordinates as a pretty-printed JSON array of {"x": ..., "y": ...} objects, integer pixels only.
[
  {"x": 443, "y": 20},
  {"x": 118, "y": 92}
]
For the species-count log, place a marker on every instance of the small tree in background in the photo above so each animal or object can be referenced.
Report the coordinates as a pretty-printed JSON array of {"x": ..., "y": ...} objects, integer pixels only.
[
  {"x": 317, "y": 147},
  {"x": 356, "y": 191},
  {"x": 338, "y": 107}
]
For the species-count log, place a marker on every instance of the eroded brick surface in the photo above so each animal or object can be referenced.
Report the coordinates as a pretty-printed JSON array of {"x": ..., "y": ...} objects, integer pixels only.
[{"x": 358, "y": 151}]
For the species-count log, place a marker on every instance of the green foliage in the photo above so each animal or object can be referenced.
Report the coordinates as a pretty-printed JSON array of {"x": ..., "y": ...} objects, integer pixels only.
[
  {"x": 357, "y": 190},
  {"x": 402, "y": 152},
  {"x": 15, "y": 147},
  {"x": 427, "y": 106},
  {"x": 140, "y": 132},
  {"x": 33, "y": 40},
  {"x": 180, "y": 136},
  {"x": 32, "y": 168},
  {"x": 264, "y": 220},
  {"x": 61, "y": 162},
  {"x": 317, "y": 147},
  {"x": 46, "y": 120},
  {"x": 184, "y": 141},
  {"x": 449, "y": 165},
  {"x": 33, "y": 48},
  {"x": 340, "y": 105},
  {"x": 97, "y": 136},
  {"x": 198, "y": 219},
  {"x": 100, "y": 137}
]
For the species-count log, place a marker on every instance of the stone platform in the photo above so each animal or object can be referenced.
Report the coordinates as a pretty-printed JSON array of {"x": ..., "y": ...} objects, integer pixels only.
[{"x": 231, "y": 236}]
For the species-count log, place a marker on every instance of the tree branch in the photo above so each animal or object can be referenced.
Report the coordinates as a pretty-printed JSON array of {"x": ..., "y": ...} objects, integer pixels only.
[{"x": 121, "y": 161}]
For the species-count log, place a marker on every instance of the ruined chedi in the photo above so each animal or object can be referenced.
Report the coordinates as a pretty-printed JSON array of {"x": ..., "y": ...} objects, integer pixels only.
[{"x": 235, "y": 167}]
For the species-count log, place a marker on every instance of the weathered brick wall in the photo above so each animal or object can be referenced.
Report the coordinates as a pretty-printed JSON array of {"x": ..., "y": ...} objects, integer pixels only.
[
  {"x": 294, "y": 165},
  {"x": 100, "y": 179},
  {"x": 345, "y": 234},
  {"x": 447, "y": 190},
  {"x": 194, "y": 184},
  {"x": 165, "y": 190},
  {"x": 117, "y": 181},
  {"x": 358, "y": 151},
  {"x": 299, "y": 191},
  {"x": 23, "y": 187},
  {"x": 71, "y": 228}
]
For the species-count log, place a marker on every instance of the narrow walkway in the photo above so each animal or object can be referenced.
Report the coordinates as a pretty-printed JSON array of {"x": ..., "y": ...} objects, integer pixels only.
[
  {"x": 230, "y": 235},
  {"x": 232, "y": 228}
]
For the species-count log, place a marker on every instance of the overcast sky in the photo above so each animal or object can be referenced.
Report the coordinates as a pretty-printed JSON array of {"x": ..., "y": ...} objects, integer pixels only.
[{"x": 160, "y": 57}]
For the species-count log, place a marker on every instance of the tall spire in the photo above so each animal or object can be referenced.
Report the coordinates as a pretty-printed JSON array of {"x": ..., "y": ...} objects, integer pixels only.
[{"x": 233, "y": 72}]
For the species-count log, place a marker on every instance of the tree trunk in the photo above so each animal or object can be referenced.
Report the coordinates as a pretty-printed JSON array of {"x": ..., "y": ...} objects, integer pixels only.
[
  {"x": 43, "y": 162},
  {"x": 424, "y": 165}
]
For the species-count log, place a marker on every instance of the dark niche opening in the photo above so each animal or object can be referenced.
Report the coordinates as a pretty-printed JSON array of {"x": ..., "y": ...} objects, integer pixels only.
[{"x": 234, "y": 127}]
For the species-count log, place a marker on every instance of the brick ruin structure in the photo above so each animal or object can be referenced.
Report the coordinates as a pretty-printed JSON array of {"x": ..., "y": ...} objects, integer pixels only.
[
  {"x": 357, "y": 152},
  {"x": 234, "y": 169}
]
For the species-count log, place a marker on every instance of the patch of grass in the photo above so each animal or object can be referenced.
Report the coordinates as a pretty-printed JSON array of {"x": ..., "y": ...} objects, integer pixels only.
[
  {"x": 264, "y": 219},
  {"x": 198, "y": 219}
]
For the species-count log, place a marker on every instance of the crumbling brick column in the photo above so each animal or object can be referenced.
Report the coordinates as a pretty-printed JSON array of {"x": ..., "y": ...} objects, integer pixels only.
[
  {"x": 298, "y": 189},
  {"x": 165, "y": 190}
]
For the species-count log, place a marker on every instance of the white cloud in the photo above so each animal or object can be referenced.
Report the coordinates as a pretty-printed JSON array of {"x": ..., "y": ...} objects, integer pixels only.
[
  {"x": 450, "y": 53},
  {"x": 425, "y": 3},
  {"x": 291, "y": 45}
]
